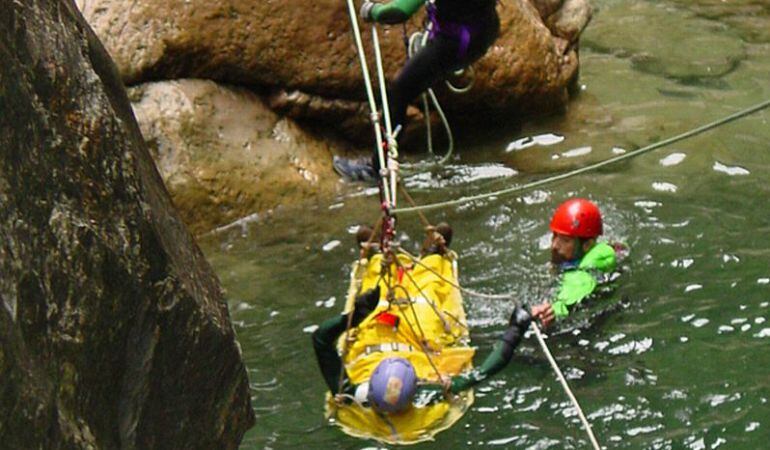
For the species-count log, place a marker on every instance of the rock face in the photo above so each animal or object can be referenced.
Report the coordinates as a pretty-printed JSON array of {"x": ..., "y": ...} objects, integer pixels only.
[
  {"x": 113, "y": 326},
  {"x": 224, "y": 155},
  {"x": 301, "y": 59},
  {"x": 303, "y": 49}
]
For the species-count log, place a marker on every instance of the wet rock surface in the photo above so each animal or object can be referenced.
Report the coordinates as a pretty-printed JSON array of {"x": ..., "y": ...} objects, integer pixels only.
[
  {"x": 113, "y": 326},
  {"x": 217, "y": 146},
  {"x": 307, "y": 47},
  {"x": 224, "y": 154}
]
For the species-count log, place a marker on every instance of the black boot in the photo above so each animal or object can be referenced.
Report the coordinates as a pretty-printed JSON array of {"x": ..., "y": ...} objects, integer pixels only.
[{"x": 360, "y": 169}]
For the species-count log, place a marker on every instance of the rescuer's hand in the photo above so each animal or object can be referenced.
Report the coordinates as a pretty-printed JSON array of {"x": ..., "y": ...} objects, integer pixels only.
[
  {"x": 366, "y": 11},
  {"x": 544, "y": 313}
]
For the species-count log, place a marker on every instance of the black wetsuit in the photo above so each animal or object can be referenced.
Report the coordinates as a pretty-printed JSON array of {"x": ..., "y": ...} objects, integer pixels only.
[
  {"x": 325, "y": 339},
  {"x": 444, "y": 53}
]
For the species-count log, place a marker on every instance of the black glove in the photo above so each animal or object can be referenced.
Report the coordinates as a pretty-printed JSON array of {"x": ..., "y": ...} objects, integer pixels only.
[
  {"x": 517, "y": 326},
  {"x": 520, "y": 318},
  {"x": 364, "y": 305},
  {"x": 366, "y": 11}
]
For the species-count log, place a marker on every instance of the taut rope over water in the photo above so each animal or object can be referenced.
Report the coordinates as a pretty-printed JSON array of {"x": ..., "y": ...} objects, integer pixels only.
[
  {"x": 549, "y": 180},
  {"x": 564, "y": 384}
]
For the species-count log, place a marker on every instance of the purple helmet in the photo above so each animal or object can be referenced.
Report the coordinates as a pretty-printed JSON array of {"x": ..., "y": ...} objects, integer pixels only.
[{"x": 392, "y": 385}]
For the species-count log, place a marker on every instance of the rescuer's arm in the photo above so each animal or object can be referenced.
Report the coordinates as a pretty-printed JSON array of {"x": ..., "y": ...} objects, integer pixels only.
[
  {"x": 325, "y": 337},
  {"x": 501, "y": 354},
  {"x": 395, "y": 11},
  {"x": 576, "y": 286}
]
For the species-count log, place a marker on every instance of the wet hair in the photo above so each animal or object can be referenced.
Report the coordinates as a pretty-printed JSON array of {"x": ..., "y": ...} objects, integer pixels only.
[
  {"x": 363, "y": 234},
  {"x": 445, "y": 230}
]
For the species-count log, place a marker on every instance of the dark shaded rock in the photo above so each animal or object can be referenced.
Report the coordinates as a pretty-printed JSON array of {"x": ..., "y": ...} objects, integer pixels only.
[{"x": 113, "y": 326}]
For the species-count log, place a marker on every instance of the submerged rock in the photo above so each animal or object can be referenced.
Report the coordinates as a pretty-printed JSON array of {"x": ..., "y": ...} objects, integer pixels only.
[
  {"x": 224, "y": 155},
  {"x": 704, "y": 52},
  {"x": 750, "y": 17},
  {"x": 113, "y": 328}
]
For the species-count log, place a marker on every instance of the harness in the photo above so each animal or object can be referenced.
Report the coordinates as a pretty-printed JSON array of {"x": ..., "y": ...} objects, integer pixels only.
[{"x": 460, "y": 31}]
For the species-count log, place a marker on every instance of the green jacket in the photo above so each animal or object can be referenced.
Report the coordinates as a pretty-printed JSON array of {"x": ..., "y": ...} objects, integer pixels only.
[
  {"x": 580, "y": 282},
  {"x": 396, "y": 11}
]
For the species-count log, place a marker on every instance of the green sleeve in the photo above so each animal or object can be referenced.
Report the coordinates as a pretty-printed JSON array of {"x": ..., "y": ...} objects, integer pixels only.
[
  {"x": 576, "y": 285},
  {"x": 395, "y": 11},
  {"x": 329, "y": 361}
]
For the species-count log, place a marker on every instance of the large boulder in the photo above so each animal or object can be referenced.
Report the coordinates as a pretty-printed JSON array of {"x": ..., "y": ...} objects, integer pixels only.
[
  {"x": 224, "y": 154},
  {"x": 304, "y": 51},
  {"x": 113, "y": 328}
]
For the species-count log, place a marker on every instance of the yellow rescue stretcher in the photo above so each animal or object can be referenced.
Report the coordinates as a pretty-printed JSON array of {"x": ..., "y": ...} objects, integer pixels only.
[{"x": 431, "y": 333}]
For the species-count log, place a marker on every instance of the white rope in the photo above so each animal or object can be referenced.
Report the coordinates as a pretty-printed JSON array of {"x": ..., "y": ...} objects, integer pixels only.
[
  {"x": 416, "y": 41},
  {"x": 462, "y": 90},
  {"x": 370, "y": 96},
  {"x": 392, "y": 154},
  {"x": 457, "y": 286},
  {"x": 590, "y": 167},
  {"x": 564, "y": 384}
]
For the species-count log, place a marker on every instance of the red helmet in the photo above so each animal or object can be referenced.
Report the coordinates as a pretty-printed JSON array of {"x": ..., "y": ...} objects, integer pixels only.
[{"x": 577, "y": 217}]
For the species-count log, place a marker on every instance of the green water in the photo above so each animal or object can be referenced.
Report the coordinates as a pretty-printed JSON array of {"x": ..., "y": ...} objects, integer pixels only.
[{"x": 683, "y": 365}]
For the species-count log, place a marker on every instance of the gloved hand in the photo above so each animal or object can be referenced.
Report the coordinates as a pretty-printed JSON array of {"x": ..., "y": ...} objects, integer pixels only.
[
  {"x": 364, "y": 305},
  {"x": 366, "y": 11},
  {"x": 517, "y": 326},
  {"x": 521, "y": 318}
]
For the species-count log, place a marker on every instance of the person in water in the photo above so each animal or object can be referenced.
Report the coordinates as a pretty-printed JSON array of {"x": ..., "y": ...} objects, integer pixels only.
[
  {"x": 462, "y": 32},
  {"x": 393, "y": 385},
  {"x": 581, "y": 261}
]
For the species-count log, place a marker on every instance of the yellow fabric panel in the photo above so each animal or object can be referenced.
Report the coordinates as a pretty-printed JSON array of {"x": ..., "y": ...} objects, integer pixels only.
[
  {"x": 418, "y": 319},
  {"x": 409, "y": 427},
  {"x": 419, "y": 294}
]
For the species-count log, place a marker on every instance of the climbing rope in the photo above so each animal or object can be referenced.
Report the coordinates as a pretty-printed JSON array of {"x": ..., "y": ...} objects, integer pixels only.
[
  {"x": 591, "y": 167},
  {"x": 423, "y": 342},
  {"x": 417, "y": 261},
  {"x": 563, "y": 381},
  {"x": 388, "y": 199},
  {"x": 415, "y": 42},
  {"x": 430, "y": 302}
]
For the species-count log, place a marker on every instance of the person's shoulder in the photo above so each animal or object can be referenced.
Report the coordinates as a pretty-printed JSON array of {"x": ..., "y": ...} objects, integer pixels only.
[{"x": 601, "y": 257}]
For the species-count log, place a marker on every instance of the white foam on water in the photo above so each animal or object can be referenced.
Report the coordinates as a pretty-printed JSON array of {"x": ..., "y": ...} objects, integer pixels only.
[
  {"x": 730, "y": 170},
  {"x": 673, "y": 159},
  {"x": 580, "y": 151},
  {"x": 646, "y": 204},
  {"x": 698, "y": 323},
  {"x": 765, "y": 332},
  {"x": 664, "y": 187},
  {"x": 329, "y": 246},
  {"x": 531, "y": 141}
]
